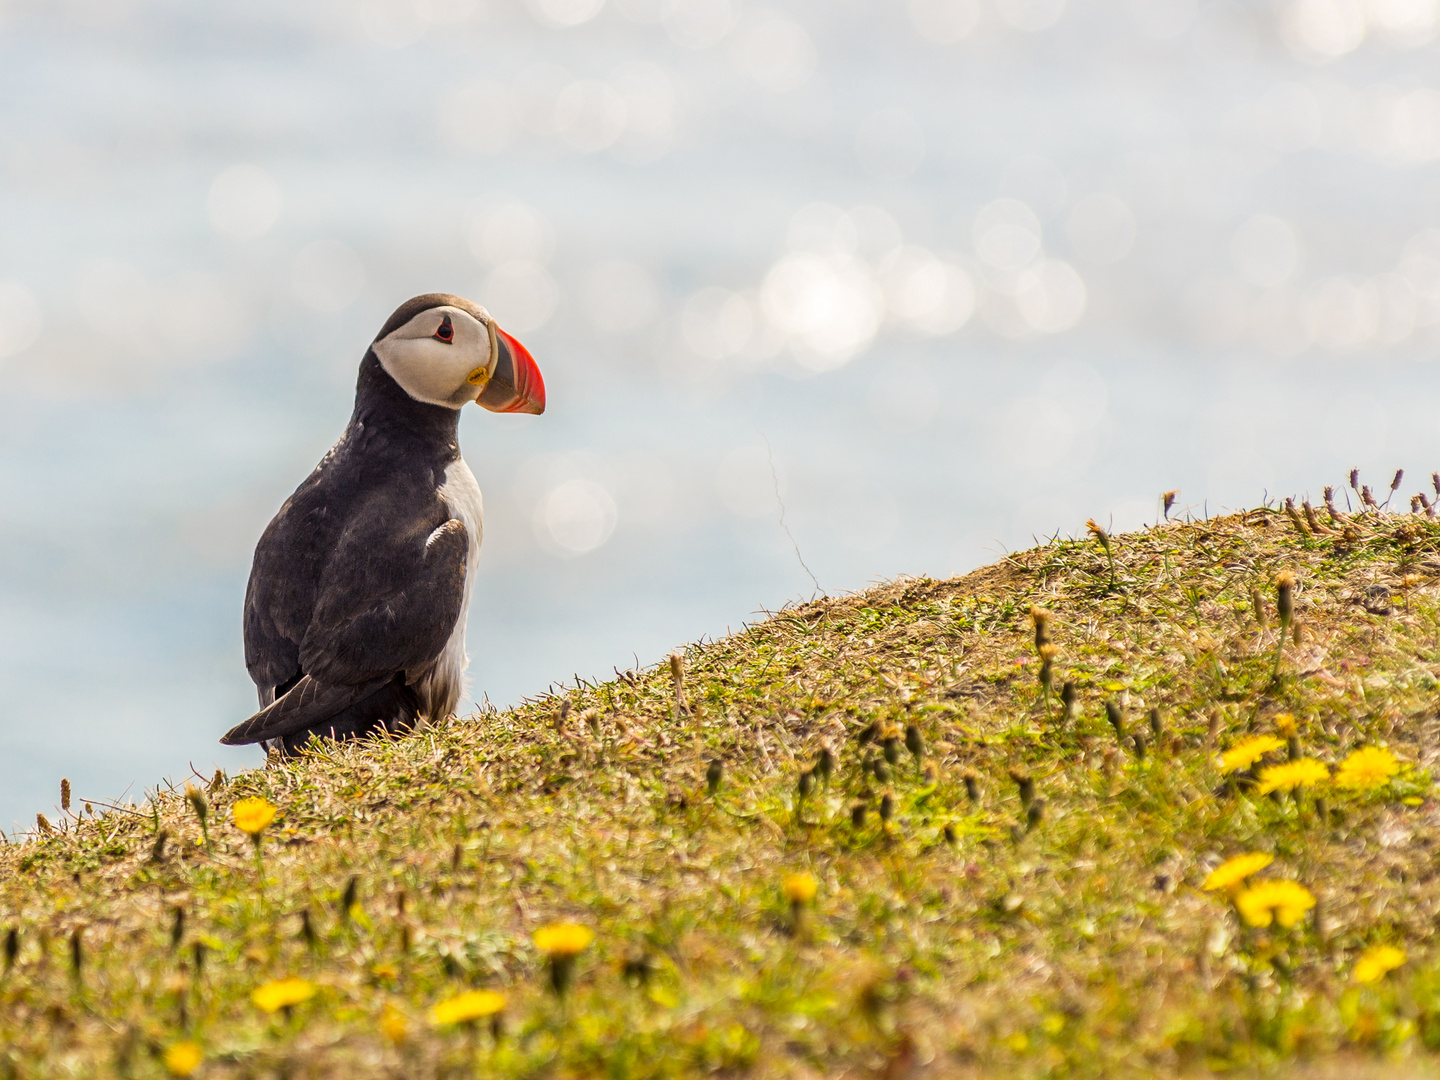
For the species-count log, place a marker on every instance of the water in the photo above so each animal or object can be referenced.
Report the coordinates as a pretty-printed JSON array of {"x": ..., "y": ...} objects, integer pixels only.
[{"x": 923, "y": 280}]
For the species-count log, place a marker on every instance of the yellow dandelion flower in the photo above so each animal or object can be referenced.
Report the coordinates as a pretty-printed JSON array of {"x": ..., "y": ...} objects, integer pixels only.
[
  {"x": 799, "y": 888},
  {"x": 1248, "y": 751},
  {"x": 1284, "y": 902},
  {"x": 471, "y": 1005},
  {"x": 1369, "y": 767},
  {"x": 563, "y": 940},
  {"x": 393, "y": 1024},
  {"x": 283, "y": 993},
  {"x": 183, "y": 1058},
  {"x": 1292, "y": 774},
  {"x": 1376, "y": 962},
  {"x": 1232, "y": 872},
  {"x": 1286, "y": 724},
  {"x": 253, "y": 815}
]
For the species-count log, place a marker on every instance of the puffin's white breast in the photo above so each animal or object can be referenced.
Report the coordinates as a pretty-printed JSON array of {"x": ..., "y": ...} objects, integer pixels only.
[{"x": 440, "y": 688}]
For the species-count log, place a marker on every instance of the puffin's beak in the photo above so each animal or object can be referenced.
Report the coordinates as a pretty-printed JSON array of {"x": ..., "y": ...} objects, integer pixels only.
[{"x": 516, "y": 385}]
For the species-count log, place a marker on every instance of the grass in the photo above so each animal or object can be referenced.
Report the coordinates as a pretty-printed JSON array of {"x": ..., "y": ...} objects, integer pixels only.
[{"x": 989, "y": 881}]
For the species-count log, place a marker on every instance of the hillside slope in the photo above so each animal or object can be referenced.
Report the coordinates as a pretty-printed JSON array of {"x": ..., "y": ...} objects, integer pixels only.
[{"x": 1004, "y": 884}]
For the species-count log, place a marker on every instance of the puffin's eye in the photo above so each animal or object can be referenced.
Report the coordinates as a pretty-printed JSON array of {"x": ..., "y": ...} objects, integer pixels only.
[{"x": 446, "y": 333}]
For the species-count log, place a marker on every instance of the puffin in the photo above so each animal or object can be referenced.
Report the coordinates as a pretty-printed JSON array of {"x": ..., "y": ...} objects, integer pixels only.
[{"x": 355, "y": 611}]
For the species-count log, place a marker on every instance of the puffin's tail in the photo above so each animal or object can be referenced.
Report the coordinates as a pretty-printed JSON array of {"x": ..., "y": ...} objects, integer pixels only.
[{"x": 336, "y": 712}]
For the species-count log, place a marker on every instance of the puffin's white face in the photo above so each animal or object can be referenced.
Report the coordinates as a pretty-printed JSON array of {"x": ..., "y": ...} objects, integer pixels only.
[
  {"x": 443, "y": 356},
  {"x": 446, "y": 356}
]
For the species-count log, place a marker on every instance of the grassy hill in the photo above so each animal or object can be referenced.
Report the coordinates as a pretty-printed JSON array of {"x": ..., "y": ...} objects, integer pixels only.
[{"x": 1008, "y": 879}]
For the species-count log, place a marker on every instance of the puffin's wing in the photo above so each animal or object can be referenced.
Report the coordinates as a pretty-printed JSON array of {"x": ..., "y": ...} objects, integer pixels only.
[
  {"x": 390, "y": 612},
  {"x": 376, "y": 617},
  {"x": 280, "y": 597}
]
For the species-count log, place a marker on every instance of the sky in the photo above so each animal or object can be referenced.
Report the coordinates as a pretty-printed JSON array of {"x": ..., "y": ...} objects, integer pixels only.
[{"x": 823, "y": 293}]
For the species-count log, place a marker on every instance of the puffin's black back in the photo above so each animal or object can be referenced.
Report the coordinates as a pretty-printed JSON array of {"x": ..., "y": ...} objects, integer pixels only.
[{"x": 344, "y": 588}]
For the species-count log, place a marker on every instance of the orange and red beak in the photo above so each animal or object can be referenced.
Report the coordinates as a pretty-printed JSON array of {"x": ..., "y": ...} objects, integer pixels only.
[{"x": 516, "y": 385}]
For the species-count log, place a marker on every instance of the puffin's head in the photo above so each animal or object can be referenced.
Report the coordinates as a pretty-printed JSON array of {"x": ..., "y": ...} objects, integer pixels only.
[{"x": 446, "y": 350}]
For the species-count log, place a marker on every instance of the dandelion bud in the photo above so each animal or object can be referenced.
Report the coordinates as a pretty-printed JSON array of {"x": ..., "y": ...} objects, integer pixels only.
[
  {"x": 806, "y": 784},
  {"x": 457, "y": 857},
  {"x": 307, "y": 928},
  {"x": 891, "y": 748},
  {"x": 65, "y": 794},
  {"x": 198, "y": 950},
  {"x": 880, "y": 770},
  {"x": 1294, "y": 516},
  {"x": 887, "y": 807},
  {"x": 1297, "y": 632},
  {"x": 913, "y": 742},
  {"x": 1034, "y": 813},
  {"x": 1099, "y": 533},
  {"x": 1068, "y": 694},
  {"x": 197, "y": 803},
  {"x": 1041, "y": 618},
  {"x": 825, "y": 762},
  {"x": 1116, "y": 718},
  {"x": 77, "y": 953},
  {"x": 218, "y": 779},
  {"x": 1157, "y": 722},
  {"x": 677, "y": 681},
  {"x": 12, "y": 947},
  {"x": 1048, "y": 653},
  {"x": 177, "y": 928},
  {"x": 43, "y": 824},
  {"x": 1138, "y": 741},
  {"x": 857, "y": 815},
  {"x": 1257, "y": 605},
  {"x": 89, "y": 809},
  {"x": 1169, "y": 499},
  {"x": 1025, "y": 784},
  {"x": 714, "y": 773},
  {"x": 869, "y": 733},
  {"x": 157, "y": 851},
  {"x": 972, "y": 787},
  {"x": 1285, "y": 597},
  {"x": 948, "y": 832},
  {"x": 349, "y": 898}
]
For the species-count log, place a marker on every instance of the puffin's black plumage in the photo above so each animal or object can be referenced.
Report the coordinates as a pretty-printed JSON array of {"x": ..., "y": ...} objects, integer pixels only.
[{"x": 358, "y": 583}]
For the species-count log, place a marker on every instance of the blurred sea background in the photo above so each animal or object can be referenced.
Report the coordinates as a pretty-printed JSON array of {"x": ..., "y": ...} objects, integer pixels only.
[{"x": 824, "y": 291}]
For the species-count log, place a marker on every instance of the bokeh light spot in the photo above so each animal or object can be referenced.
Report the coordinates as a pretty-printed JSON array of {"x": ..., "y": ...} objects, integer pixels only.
[{"x": 575, "y": 517}]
